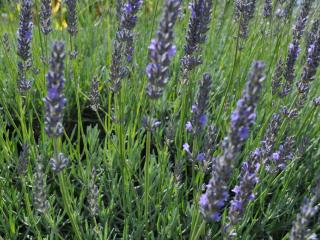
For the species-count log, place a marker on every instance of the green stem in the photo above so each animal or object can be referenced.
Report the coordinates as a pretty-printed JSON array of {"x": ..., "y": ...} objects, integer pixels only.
[
  {"x": 146, "y": 178},
  {"x": 67, "y": 206}
]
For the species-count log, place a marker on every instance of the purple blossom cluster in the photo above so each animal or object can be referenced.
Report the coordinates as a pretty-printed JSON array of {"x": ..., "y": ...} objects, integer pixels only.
[
  {"x": 267, "y": 8},
  {"x": 244, "y": 12},
  {"x": 243, "y": 191},
  {"x": 72, "y": 17},
  {"x": 279, "y": 159},
  {"x": 242, "y": 118},
  {"x": 24, "y": 45},
  {"x": 197, "y": 32},
  {"x": 45, "y": 17},
  {"x": 309, "y": 72},
  {"x": 277, "y": 78},
  {"x": 123, "y": 44},
  {"x": 55, "y": 100},
  {"x": 308, "y": 210},
  {"x": 161, "y": 50},
  {"x": 294, "y": 47},
  {"x": 127, "y": 23},
  {"x": 199, "y": 117}
]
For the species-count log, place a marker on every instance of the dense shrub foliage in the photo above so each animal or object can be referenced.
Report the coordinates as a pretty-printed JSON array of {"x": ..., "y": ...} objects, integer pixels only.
[{"x": 159, "y": 119}]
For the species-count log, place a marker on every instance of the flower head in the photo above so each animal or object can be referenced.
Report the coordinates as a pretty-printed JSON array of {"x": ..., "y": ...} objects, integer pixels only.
[
  {"x": 161, "y": 50},
  {"x": 55, "y": 99}
]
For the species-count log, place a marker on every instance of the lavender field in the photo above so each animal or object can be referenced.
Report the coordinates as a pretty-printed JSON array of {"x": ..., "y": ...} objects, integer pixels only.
[{"x": 159, "y": 119}]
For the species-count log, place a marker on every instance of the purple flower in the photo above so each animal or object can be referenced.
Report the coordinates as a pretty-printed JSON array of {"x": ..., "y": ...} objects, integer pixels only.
[
  {"x": 197, "y": 33},
  {"x": 309, "y": 73},
  {"x": 244, "y": 12},
  {"x": 217, "y": 189},
  {"x": 199, "y": 117},
  {"x": 244, "y": 191},
  {"x": 186, "y": 147},
  {"x": 276, "y": 156},
  {"x": 308, "y": 210},
  {"x": 45, "y": 17},
  {"x": 128, "y": 22},
  {"x": 267, "y": 8},
  {"x": 55, "y": 100},
  {"x": 316, "y": 101},
  {"x": 24, "y": 45},
  {"x": 161, "y": 50},
  {"x": 189, "y": 126},
  {"x": 72, "y": 17},
  {"x": 294, "y": 49},
  {"x": 201, "y": 157}
]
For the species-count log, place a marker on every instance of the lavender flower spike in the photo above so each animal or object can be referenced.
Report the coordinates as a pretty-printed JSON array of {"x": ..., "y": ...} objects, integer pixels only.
[
  {"x": 309, "y": 209},
  {"x": 267, "y": 8},
  {"x": 217, "y": 193},
  {"x": 309, "y": 72},
  {"x": 243, "y": 191},
  {"x": 294, "y": 47},
  {"x": 244, "y": 12},
  {"x": 161, "y": 50},
  {"x": 199, "y": 117},
  {"x": 127, "y": 24},
  {"x": 55, "y": 99},
  {"x": 198, "y": 28},
  {"x": 41, "y": 203},
  {"x": 45, "y": 17},
  {"x": 24, "y": 45},
  {"x": 72, "y": 17}
]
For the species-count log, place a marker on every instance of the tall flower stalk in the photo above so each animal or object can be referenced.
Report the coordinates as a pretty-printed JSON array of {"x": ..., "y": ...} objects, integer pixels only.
[
  {"x": 45, "y": 17},
  {"x": 123, "y": 44},
  {"x": 72, "y": 21},
  {"x": 243, "y": 192},
  {"x": 309, "y": 72},
  {"x": 242, "y": 118},
  {"x": 294, "y": 47},
  {"x": 199, "y": 117},
  {"x": 24, "y": 45},
  {"x": 55, "y": 102},
  {"x": 196, "y": 36},
  {"x": 54, "y": 105},
  {"x": 244, "y": 12},
  {"x": 308, "y": 210},
  {"x": 127, "y": 24},
  {"x": 162, "y": 50}
]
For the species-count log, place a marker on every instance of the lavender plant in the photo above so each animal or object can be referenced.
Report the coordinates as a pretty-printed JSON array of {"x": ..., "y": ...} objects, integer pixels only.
[
  {"x": 309, "y": 72},
  {"x": 93, "y": 195},
  {"x": 24, "y": 35},
  {"x": 242, "y": 118},
  {"x": 161, "y": 50},
  {"x": 127, "y": 23},
  {"x": 308, "y": 210},
  {"x": 199, "y": 117},
  {"x": 94, "y": 96},
  {"x": 294, "y": 47},
  {"x": 243, "y": 192},
  {"x": 196, "y": 35},
  {"x": 72, "y": 17},
  {"x": 45, "y": 17},
  {"x": 123, "y": 44},
  {"x": 5, "y": 42},
  {"x": 55, "y": 102},
  {"x": 40, "y": 201},
  {"x": 267, "y": 8},
  {"x": 244, "y": 12},
  {"x": 23, "y": 160}
]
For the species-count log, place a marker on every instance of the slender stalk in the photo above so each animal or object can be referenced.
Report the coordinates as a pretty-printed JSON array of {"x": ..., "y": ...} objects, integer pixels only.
[{"x": 146, "y": 179}]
